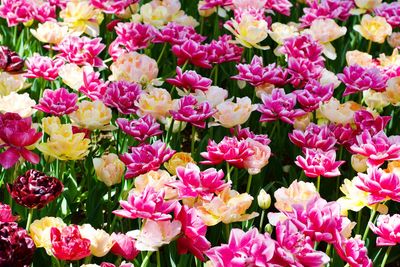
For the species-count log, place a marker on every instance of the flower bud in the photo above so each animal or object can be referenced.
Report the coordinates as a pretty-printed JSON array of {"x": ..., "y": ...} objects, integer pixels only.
[
  {"x": 264, "y": 200},
  {"x": 268, "y": 228}
]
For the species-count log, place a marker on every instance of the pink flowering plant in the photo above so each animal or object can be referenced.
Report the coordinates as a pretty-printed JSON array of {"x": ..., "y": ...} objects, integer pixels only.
[{"x": 204, "y": 133}]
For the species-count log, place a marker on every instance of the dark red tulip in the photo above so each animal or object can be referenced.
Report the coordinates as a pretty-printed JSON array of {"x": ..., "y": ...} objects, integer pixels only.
[
  {"x": 10, "y": 61},
  {"x": 16, "y": 246},
  {"x": 35, "y": 189}
]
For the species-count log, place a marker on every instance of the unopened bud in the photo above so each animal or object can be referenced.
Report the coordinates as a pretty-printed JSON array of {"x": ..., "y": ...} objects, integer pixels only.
[{"x": 264, "y": 200}]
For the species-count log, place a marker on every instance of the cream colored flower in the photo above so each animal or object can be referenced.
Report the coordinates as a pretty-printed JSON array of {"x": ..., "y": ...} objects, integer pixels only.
[
  {"x": 50, "y": 32},
  {"x": 109, "y": 169},
  {"x": 72, "y": 75},
  {"x": 301, "y": 122},
  {"x": 92, "y": 115},
  {"x": 393, "y": 91},
  {"x": 129, "y": 11},
  {"x": 214, "y": 95},
  {"x": 205, "y": 12},
  {"x": 390, "y": 61},
  {"x": 81, "y": 17},
  {"x": 179, "y": 159},
  {"x": 280, "y": 32},
  {"x": 325, "y": 31},
  {"x": 375, "y": 100},
  {"x": 365, "y": 5},
  {"x": 100, "y": 241},
  {"x": 250, "y": 31},
  {"x": 356, "y": 57},
  {"x": 156, "y": 102},
  {"x": 297, "y": 193},
  {"x": 359, "y": 163},
  {"x": 336, "y": 112},
  {"x": 265, "y": 88},
  {"x": 157, "y": 180},
  {"x": 11, "y": 83},
  {"x": 39, "y": 230},
  {"x": 230, "y": 114},
  {"x": 394, "y": 39},
  {"x": 375, "y": 29},
  {"x": 228, "y": 207},
  {"x": 154, "y": 235},
  {"x": 18, "y": 103},
  {"x": 182, "y": 19},
  {"x": 134, "y": 67},
  {"x": 328, "y": 77}
]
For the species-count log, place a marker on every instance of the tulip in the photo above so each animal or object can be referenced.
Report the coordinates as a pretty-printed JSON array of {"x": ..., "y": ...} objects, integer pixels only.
[
  {"x": 109, "y": 169},
  {"x": 43, "y": 67},
  {"x": 318, "y": 163},
  {"x": 124, "y": 246},
  {"x": 189, "y": 80},
  {"x": 390, "y": 11},
  {"x": 223, "y": 50},
  {"x": 40, "y": 231},
  {"x": 387, "y": 229},
  {"x": 58, "y": 102},
  {"x": 17, "y": 247},
  {"x": 263, "y": 200},
  {"x": 375, "y": 29},
  {"x": 92, "y": 115},
  {"x": 68, "y": 244},
  {"x": 122, "y": 95},
  {"x": 10, "y": 61},
  {"x": 100, "y": 242},
  {"x": 35, "y": 189},
  {"x": 230, "y": 114},
  {"x": 192, "y": 52},
  {"x": 6, "y": 214}
]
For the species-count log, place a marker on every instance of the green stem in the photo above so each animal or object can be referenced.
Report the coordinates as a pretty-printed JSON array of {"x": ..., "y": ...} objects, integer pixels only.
[
  {"x": 359, "y": 217},
  {"x": 227, "y": 231},
  {"x": 261, "y": 220},
  {"x": 369, "y": 46},
  {"x": 29, "y": 220},
  {"x": 318, "y": 183},
  {"x": 146, "y": 259},
  {"x": 109, "y": 208},
  {"x": 373, "y": 212},
  {"x": 249, "y": 183},
  {"x": 158, "y": 259},
  {"x": 193, "y": 141},
  {"x": 162, "y": 53},
  {"x": 385, "y": 258},
  {"x": 228, "y": 171}
]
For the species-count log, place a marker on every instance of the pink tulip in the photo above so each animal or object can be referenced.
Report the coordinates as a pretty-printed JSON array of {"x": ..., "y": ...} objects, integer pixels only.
[
  {"x": 192, "y": 52},
  {"x": 365, "y": 120},
  {"x": 358, "y": 78},
  {"x": 319, "y": 163},
  {"x": 245, "y": 133},
  {"x": 319, "y": 219},
  {"x": 209, "y": 4},
  {"x": 259, "y": 158},
  {"x": 6, "y": 214},
  {"x": 354, "y": 252},
  {"x": 388, "y": 230},
  {"x": 176, "y": 34},
  {"x": 58, "y": 102},
  {"x": 189, "y": 80},
  {"x": 44, "y": 11},
  {"x": 93, "y": 87},
  {"x": 146, "y": 158},
  {"x": 131, "y": 37},
  {"x": 280, "y": 6},
  {"x": 189, "y": 110},
  {"x": 140, "y": 129},
  {"x": 333, "y": 9},
  {"x": 244, "y": 249},
  {"x": 112, "y": 6},
  {"x": 279, "y": 105},
  {"x": 390, "y": 11},
  {"x": 194, "y": 183},
  {"x": 380, "y": 185},
  {"x": 17, "y": 134},
  {"x": 122, "y": 96},
  {"x": 314, "y": 137},
  {"x": 303, "y": 46},
  {"x": 16, "y": 11},
  {"x": 302, "y": 70},
  {"x": 230, "y": 149},
  {"x": 193, "y": 238},
  {"x": 313, "y": 95},
  {"x": 294, "y": 249},
  {"x": 43, "y": 67},
  {"x": 81, "y": 50},
  {"x": 223, "y": 50},
  {"x": 149, "y": 204},
  {"x": 124, "y": 246},
  {"x": 345, "y": 134},
  {"x": 256, "y": 74},
  {"x": 377, "y": 148}
]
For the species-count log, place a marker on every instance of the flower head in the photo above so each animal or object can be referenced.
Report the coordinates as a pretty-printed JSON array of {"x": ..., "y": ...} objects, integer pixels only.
[
  {"x": 387, "y": 229},
  {"x": 375, "y": 29},
  {"x": 35, "y": 189},
  {"x": 189, "y": 80},
  {"x": 354, "y": 252},
  {"x": 124, "y": 246},
  {"x": 58, "y": 102},
  {"x": 92, "y": 115},
  {"x": 122, "y": 95},
  {"x": 319, "y": 163},
  {"x": 68, "y": 243},
  {"x": 43, "y": 67},
  {"x": 40, "y": 231},
  {"x": 192, "y": 52},
  {"x": 109, "y": 169},
  {"x": 10, "y": 61},
  {"x": 148, "y": 204},
  {"x": 230, "y": 114},
  {"x": 17, "y": 135},
  {"x": 146, "y": 158},
  {"x": 6, "y": 214}
]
